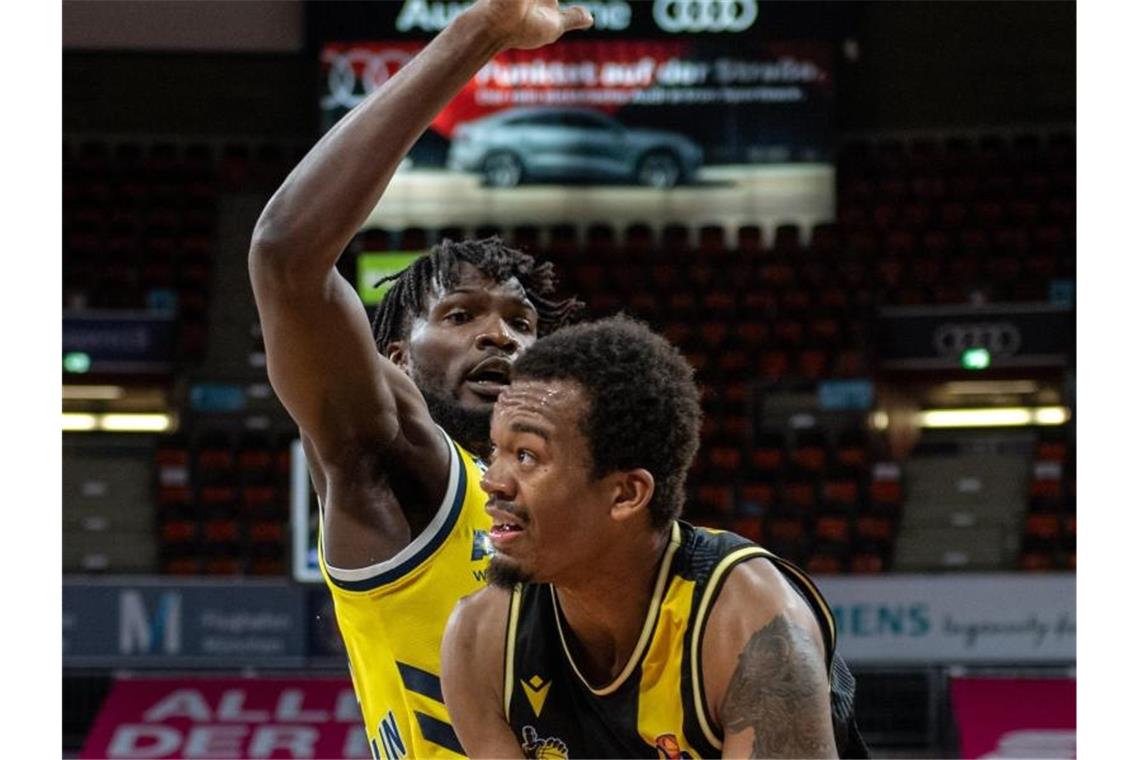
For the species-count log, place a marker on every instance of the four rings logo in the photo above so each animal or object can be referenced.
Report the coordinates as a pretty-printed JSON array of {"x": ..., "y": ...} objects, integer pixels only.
[
  {"x": 999, "y": 338},
  {"x": 354, "y": 73},
  {"x": 704, "y": 15}
]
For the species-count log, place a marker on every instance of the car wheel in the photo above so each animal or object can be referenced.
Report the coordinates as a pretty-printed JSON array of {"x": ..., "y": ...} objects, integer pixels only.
[
  {"x": 502, "y": 170},
  {"x": 658, "y": 169}
]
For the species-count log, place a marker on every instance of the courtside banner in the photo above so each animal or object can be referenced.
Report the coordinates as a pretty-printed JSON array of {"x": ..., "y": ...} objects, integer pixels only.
[
  {"x": 1015, "y": 717},
  {"x": 923, "y": 619},
  {"x": 764, "y": 102},
  {"x": 229, "y": 718},
  {"x": 162, "y": 623}
]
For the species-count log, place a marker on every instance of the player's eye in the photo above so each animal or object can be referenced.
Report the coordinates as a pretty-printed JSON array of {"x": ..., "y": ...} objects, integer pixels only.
[
  {"x": 457, "y": 317},
  {"x": 522, "y": 325},
  {"x": 526, "y": 457}
]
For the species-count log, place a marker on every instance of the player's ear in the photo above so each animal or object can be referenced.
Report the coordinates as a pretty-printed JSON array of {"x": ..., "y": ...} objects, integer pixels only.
[
  {"x": 633, "y": 490},
  {"x": 397, "y": 355}
]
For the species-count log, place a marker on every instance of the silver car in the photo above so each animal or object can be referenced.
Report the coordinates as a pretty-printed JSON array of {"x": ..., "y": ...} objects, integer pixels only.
[{"x": 522, "y": 144}]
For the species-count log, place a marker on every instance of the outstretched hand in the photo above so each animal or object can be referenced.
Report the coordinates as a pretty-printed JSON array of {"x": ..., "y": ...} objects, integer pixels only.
[{"x": 527, "y": 24}]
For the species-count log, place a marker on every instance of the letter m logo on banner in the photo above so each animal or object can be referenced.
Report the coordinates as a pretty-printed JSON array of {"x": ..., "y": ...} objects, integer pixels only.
[{"x": 146, "y": 633}]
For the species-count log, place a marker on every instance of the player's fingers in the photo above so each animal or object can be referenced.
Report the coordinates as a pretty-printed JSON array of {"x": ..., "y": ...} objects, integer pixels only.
[{"x": 576, "y": 17}]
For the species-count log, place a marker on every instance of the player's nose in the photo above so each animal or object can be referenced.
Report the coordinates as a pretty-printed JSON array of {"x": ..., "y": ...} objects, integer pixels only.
[
  {"x": 497, "y": 334},
  {"x": 496, "y": 484}
]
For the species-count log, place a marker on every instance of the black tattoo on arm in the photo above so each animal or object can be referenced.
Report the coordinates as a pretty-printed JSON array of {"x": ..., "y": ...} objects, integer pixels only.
[{"x": 776, "y": 690}]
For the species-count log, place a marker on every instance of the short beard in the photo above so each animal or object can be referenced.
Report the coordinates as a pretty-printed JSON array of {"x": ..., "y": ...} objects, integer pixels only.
[
  {"x": 471, "y": 428},
  {"x": 506, "y": 575}
]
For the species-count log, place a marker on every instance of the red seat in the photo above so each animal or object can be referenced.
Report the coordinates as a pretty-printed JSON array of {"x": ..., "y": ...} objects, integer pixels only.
[
  {"x": 751, "y": 528},
  {"x": 875, "y": 529},
  {"x": 675, "y": 239},
  {"x": 725, "y": 458},
  {"x": 773, "y": 364},
  {"x": 221, "y": 531},
  {"x": 787, "y": 240},
  {"x": 1037, "y": 562},
  {"x": 867, "y": 563},
  {"x": 752, "y": 333},
  {"x": 717, "y": 498},
  {"x": 759, "y": 303},
  {"x": 825, "y": 563},
  {"x": 266, "y": 532},
  {"x": 680, "y": 334},
  {"x": 644, "y": 305},
  {"x": 757, "y": 495},
  {"x": 226, "y": 565},
  {"x": 886, "y": 487},
  {"x": 719, "y": 301},
  {"x": 811, "y": 363},
  {"x": 833, "y": 528},
  {"x": 788, "y": 332},
  {"x": 799, "y": 493},
  {"x": 182, "y": 565},
  {"x": 1045, "y": 527},
  {"x": 785, "y": 529},
  {"x": 810, "y": 456},
  {"x": 638, "y": 238},
  {"x": 710, "y": 240},
  {"x": 841, "y": 490},
  {"x": 179, "y": 531},
  {"x": 749, "y": 239}
]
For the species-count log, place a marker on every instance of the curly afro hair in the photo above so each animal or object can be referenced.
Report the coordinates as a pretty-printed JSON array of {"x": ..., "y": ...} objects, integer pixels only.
[
  {"x": 408, "y": 295},
  {"x": 644, "y": 403}
]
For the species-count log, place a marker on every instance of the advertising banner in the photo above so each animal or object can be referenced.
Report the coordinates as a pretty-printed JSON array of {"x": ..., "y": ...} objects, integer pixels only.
[
  {"x": 185, "y": 623},
  {"x": 923, "y": 619},
  {"x": 1015, "y": 717},
  {"x": 229, "y": 718},
  {"x": 934, "y": 337},
  {"x": 595, "y": 108},
  {"x": 120, "y": 342}
]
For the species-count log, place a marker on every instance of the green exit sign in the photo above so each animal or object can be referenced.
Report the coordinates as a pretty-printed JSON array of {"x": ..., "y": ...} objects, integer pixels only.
[
  {"x": 975, "y": 358},
  {"x": 76, "y": 362}
]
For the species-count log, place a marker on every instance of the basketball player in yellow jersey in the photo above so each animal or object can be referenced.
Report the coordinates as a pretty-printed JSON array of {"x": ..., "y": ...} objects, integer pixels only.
[
  {"x": 613, "y": 629},
  {"x": 392, "y": 419}
]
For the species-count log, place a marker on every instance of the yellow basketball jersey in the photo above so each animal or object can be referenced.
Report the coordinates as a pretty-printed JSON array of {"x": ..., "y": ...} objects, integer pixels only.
[{"x": 392, "y": 616}]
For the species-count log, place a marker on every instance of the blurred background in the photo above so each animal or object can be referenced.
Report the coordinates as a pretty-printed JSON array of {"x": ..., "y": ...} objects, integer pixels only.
[{"x": 857, "y": 220}]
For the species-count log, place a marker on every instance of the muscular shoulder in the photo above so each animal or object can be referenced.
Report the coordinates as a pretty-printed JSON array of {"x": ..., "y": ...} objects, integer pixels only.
[
  {"x": 477, "y": 628},
  {"x": 473, "y": 646},
  {"x": 756, "y": 591}
]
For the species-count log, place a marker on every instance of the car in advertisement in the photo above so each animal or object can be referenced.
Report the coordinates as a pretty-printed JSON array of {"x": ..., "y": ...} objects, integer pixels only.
[{"x": 520, "y": 145}]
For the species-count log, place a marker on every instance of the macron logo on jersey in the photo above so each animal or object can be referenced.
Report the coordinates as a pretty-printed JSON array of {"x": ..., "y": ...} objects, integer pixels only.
[{"x": 536, "y": 690}]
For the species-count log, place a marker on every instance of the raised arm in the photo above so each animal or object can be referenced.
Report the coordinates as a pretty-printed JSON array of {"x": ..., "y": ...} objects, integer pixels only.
[
  {"x": 766, "y": 669},
  {"x": 472, "y": 674},
  {"x": 362, "y": 418}
]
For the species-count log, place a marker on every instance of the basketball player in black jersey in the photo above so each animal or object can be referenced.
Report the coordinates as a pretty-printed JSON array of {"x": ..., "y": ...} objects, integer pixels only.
[{"x": 612, "y": 628}]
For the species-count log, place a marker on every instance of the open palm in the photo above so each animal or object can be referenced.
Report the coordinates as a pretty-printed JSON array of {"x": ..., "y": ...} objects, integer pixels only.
[{"x": 528, "y": 24}]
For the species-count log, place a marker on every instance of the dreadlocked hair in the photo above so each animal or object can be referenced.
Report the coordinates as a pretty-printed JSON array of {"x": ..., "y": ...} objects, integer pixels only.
[{"x": 440, "y": 266}]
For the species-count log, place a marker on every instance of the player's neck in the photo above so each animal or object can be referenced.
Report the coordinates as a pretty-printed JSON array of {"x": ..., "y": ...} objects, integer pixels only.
[{"x": 606, "y": 612}]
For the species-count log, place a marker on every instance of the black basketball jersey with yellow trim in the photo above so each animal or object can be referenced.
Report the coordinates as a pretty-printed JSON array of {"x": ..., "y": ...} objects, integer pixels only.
[{"x": 554, "y": 712}]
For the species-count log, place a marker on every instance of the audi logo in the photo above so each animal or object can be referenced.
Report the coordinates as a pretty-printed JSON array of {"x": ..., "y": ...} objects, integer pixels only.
[
  {"x": 356, "y": 72},
  {"x": 704, "y": 15},
  {"x": 999, "y": 338}
]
